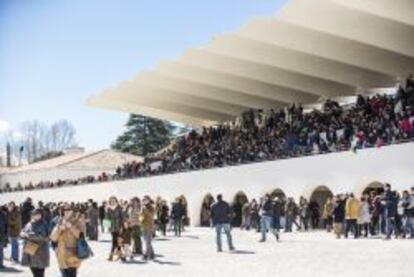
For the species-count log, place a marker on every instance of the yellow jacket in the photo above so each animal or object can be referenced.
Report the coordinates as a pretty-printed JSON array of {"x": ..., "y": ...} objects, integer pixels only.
[
  {"x": 66, "y": 244},
  {"x": 352, "y": 208}
]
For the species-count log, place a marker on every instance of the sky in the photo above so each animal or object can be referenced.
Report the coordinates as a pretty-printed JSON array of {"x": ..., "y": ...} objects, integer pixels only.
[{"x": 55, "y": 54}]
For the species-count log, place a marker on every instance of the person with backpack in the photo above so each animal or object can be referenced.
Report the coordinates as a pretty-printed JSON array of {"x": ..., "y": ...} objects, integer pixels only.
[{"x": 66, "y": 234}]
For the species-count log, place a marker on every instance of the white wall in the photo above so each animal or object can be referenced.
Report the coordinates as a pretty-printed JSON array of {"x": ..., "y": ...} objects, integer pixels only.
[{"x": 341, "y": 172}]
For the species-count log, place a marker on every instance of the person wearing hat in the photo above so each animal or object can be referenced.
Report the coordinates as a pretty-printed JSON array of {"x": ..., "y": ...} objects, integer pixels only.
[
  {"x": 66, "y": 234},
  {"x": 36, "y": 244}
]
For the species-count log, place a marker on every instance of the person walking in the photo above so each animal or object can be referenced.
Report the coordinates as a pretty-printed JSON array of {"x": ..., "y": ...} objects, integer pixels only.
[
  {"x": 352, "y": 207},
  {"x": 35, "y": 237},
  {"x": 221, "y": 217},
  {"x": 114, "y": 214},
  {"x": 14, "y": 229},
  {"x": 65, "y": 235},
  {"x": 147, "y": 225}
]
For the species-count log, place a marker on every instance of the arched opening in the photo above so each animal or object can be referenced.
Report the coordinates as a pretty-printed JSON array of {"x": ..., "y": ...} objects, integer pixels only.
[
  {"x": 205, "y": 215},
  {"x": 374, "y": 189},
  {"x": 239, "y": 200},
  {"x": 317, "y": 202},
  {"x": 278, "y": 193}
]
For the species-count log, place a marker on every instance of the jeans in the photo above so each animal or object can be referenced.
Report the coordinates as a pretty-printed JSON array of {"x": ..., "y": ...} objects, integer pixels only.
[
  {"x": 14, "y": 249},
  {"x": 227, "y": 229},
  {"x": 178, "y": 223},
  {"x": 409, "y": 226},
  {"x": 136, "y": 237},
  {"x": 265, "y": 225},
  {"x": 149, "y": 251},
  {"x": 1, "y": 254},
  {"x": 351, "y": 223},
  {"x": 389, "y": 226}
]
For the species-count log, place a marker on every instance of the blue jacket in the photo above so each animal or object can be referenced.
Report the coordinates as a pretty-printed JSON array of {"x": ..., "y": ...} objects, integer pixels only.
[{"x": 220, "y": 213}]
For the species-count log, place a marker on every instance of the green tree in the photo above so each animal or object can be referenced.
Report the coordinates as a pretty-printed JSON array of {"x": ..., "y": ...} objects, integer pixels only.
[{"x": 144, "y": 135}]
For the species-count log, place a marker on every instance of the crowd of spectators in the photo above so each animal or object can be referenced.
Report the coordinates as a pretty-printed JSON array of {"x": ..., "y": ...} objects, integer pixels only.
[
  {"x": 258, "y": 135},
  {"x": 269, "y": 135},
  {"x": 55, "y": 184}
]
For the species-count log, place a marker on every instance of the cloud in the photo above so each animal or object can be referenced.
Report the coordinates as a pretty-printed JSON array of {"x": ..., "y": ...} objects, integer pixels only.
[{"x": 4, "y": 126}]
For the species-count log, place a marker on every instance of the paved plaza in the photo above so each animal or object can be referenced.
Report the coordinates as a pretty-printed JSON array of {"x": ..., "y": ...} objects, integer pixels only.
[{"x": 297, "y": 254}]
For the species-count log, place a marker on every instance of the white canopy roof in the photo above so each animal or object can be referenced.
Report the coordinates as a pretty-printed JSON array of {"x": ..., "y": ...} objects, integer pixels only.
[{"x": 308, "y": 51}]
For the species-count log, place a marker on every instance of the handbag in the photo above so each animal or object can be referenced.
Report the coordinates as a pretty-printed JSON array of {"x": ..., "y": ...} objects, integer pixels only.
[
  {"x": 83, "y": 251},
  {"x": 31, "y": 248}
]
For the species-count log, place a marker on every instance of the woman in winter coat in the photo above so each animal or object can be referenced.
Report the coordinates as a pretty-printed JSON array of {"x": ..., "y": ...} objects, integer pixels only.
[
  {"x": 115, "y": 215},
  {"x": 364, "y": 217},
  {"x": 36, "y": 237},
  {"x": 66, "y": 234},
  {"x": 14, "y": 228}
]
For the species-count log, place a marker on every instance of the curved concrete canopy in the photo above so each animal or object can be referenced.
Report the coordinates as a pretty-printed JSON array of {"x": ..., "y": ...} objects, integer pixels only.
[{"x": 309, "y": 51}]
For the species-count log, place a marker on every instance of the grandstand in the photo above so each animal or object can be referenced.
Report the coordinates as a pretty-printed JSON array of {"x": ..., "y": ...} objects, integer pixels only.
[{"x": 309, "y": 52}]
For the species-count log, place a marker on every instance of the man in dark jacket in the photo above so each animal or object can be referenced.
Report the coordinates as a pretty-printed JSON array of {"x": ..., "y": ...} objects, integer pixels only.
[
  {"x": 3, "y": 234},
  {"x": 26, "y": 211},
  {"x": 390, "y": 203},
  {"x": 178, "y": 214},
  {"x": 220, "y": 215},
  {"x": 266, "y": 214}
]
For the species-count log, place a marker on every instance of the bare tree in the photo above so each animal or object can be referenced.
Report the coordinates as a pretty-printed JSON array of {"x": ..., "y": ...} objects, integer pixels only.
[{"x": 41, "y": 139}]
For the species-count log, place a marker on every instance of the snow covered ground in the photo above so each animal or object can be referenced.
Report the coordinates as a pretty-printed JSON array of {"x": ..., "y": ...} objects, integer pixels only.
[{"x": 297, "y": 254}]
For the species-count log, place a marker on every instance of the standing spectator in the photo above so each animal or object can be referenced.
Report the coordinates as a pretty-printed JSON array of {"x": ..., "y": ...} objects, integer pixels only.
[
  {"x": 134, "y": 213},
  {"x": 254, "y": 215},
  {"x": 327, "y": 214},
  {"x": 246, "y": 216},
  {"x": 177, "y": 215},
  {"x": 352, "y": 207},
  {"x": 66, "y": 234},
  {"x": 35, "y": 237},
  {"x": 14, "y": 229},
  {"x": 291, "y": 214},
  {"x": 220, "y": 215},
  {"x": 26, "y": 211},
  {"x": 277, "y": 206},
  {"x": 163, "y": 217},
  {"x": 315, "y": 213},
  {"x": 390, "y": 203},
  {"x": 266, "y": 216},
  {"x": 102, "y": 210},
  {"x": 364, "y": 216},
  {"x": 338, "y": 215},
  {"x": 92, "y": 217},
  {"x": 147, "y": 225},
  {"x": 3, "y": 235},
  {"x": 304, "y": 213},
  {"x": 115, "y": 215}
]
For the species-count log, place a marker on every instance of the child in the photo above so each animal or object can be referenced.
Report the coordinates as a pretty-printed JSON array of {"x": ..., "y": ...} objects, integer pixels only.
[{"x": 123, "y": 249}]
